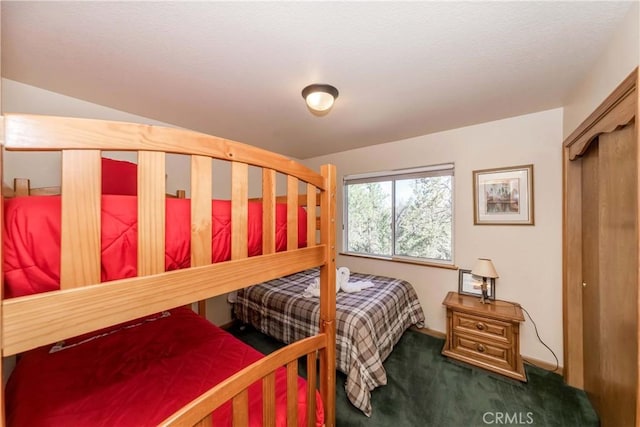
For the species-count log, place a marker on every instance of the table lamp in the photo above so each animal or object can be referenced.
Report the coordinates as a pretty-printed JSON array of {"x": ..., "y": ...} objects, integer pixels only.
[{"x": 485, "y": 269}]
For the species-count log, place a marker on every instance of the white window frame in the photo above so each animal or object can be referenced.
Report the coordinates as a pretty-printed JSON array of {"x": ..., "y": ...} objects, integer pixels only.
[{"x": 393, "y": 175}]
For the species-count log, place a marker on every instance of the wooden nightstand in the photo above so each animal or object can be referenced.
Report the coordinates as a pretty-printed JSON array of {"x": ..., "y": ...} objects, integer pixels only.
[{"x": 484, "y": 335}]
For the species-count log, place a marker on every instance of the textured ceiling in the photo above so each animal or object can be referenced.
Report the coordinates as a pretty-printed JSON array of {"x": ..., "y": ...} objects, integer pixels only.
[{"x": 236, "y": 69}]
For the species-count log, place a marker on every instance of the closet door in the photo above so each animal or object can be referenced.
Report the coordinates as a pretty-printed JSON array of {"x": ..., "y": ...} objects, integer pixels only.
[
  {"x": 592, "y": 338},
  {"x": 610, "y": 274},
  {"x": 600, "y": 256}
]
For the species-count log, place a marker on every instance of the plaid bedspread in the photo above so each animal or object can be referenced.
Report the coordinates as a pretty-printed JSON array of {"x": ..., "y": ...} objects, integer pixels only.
[{"x": 368, "y": 323}]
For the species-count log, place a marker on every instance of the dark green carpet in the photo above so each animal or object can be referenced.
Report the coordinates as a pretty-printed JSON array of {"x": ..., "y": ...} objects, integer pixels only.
[{"x": 425, "y": 388}]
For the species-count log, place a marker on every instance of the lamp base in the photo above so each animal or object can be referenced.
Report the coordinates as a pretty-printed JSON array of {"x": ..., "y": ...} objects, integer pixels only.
[{"x": 484, "y": 298}]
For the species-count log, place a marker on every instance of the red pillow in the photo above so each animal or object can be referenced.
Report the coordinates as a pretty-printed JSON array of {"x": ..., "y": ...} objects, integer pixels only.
[{"x": 119, "y": 177}]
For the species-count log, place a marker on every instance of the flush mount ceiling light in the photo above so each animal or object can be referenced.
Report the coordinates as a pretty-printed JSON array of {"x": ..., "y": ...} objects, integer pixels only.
[{"x": 320, "y": 97}]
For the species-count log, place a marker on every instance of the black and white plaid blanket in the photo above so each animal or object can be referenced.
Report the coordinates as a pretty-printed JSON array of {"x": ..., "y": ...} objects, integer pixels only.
[{"x": 368, "y": 323}]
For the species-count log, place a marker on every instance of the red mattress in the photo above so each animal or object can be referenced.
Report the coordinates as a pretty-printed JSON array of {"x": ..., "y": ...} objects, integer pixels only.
[
  {"x": 32, "y": 238},
  {"x": 137, "y": 375}
]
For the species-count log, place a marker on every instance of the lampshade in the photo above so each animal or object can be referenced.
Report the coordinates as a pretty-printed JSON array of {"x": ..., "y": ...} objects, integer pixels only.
[
  {"x": 320, "y": 97},
  {"x": 484, "y": 268}
]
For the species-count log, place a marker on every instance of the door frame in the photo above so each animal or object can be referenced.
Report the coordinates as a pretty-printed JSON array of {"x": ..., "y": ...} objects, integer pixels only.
[{"x": 618, "y": 109}]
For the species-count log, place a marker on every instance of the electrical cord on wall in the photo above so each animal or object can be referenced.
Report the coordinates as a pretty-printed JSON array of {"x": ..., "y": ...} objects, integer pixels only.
[{"x": 535, "y": 327}]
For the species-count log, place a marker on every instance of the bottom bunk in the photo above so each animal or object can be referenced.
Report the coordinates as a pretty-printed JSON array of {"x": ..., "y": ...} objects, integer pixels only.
[{"x": 142, "y": 372}]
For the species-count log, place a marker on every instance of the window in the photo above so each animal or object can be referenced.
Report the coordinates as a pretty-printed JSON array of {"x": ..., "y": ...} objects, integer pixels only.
[{"x": 401, "y": 214}]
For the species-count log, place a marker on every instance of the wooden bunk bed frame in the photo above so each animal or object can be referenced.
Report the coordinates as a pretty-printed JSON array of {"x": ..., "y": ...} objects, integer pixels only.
[
  {"x": 22, "y": 187},
  {"x": 83, "y": 304}
]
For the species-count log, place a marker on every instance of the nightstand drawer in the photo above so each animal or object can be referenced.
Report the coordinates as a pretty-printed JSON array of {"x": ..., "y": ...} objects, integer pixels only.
[
  {"x": 493, "y": 354},
  {"x": 490, "y": 328},
  {"x": 484, "y": 335}
]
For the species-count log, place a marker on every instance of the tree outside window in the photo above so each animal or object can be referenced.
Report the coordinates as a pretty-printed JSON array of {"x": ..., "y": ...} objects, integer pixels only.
[{"x": 403, "y": 215}]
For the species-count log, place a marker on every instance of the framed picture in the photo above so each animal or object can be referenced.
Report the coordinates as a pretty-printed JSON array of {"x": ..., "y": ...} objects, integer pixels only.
[
  {"x": 503, "y": 196},
  {"x": 468, "y": 284}
]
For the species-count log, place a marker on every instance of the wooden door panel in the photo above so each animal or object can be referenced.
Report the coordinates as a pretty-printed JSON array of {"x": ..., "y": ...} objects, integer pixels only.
[
  {"x": 601, "y": 320},
  {"x": 618, "y": 293},
  {"x": 590, "y": 274}
]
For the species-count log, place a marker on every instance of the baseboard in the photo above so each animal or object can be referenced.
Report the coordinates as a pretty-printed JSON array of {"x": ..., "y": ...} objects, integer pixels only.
[
  {"x": 430, "y": 332},
  {"x": 226, "y": 326},
  {"x": 544, "y": 365},
  {"x": 535, "y": 362}
]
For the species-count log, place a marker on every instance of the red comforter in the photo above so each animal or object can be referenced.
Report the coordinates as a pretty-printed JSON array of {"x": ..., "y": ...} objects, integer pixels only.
[
  {"x": 137, "y": 376},
  {"x": 32, "y": 238}
]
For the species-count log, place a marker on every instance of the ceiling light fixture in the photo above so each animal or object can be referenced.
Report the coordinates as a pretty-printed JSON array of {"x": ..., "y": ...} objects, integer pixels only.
[{"x": 320, "y": 97}]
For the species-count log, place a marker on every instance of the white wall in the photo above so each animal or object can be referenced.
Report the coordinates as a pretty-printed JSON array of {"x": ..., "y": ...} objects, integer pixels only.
[
  {"x": 617, "y": 61},
  {"x": 43, "y": 169},
  {"x": 527, "y": 258}
]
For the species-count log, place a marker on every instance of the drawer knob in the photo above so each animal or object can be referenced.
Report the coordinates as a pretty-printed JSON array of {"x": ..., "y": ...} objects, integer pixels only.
[
  {"x": 480, "y": 348},
  {"x": 481, "y": 326}
]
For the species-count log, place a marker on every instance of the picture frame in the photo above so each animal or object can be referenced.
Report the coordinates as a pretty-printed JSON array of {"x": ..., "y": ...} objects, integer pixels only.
[
  {"x": 469, "y": 284},
  {"x": 503, "y": 196}
]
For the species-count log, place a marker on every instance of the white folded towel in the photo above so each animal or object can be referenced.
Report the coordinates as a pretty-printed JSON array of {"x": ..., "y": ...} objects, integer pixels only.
[
  {"x": 351, "y": 287},
  {"x": 342, "y": 282},
  {"x": 342, "y": 277},
  {"x": 313, "y": 290}
]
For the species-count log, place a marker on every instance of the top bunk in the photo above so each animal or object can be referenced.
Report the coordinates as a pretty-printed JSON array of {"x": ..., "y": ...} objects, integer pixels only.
[{"x": 85, "y": 303}]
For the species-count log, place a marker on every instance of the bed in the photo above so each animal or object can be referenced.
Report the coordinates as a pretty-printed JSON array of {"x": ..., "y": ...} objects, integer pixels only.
[
  {"x": 174, "y": 355},
  {"x": 368, "y": 323},
  {"x": 119, "y": 316}
]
